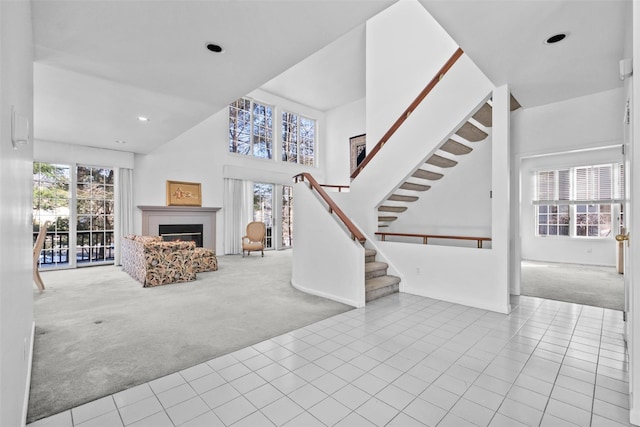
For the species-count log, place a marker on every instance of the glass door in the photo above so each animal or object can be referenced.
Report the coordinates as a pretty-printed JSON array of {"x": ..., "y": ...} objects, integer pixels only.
[
  {"x": 263, "y": 209},
  {"x": 52, "y": 203},
  {"x": 287, "y": 216},
  {"x": 78, "y": 203},
  {"x": 95, "y": 209}
]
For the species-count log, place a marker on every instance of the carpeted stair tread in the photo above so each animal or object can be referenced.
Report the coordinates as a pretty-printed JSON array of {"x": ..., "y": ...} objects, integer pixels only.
[
  {"x": 387, "y": 218},
  {"x": 369, "y": 252},
  {"x": 386, "y": 285},
  {"x": 455, "y": 148},
  {"x": 381, "y": 282},
  {"x": 471, "y": 132},
  {"x": 383, "y": 225},
  {"x": 392, "y": 208},
  {"x": 484, "y": 115},
  {"x": 375, "y": 269},
  {"x": 441, "y": 162},
  {"x": 369, "y": 255},
  {"x": 402, "y": 198},
  {"x": 414, "y": 187},
  {"x": 423, "y": 174}
]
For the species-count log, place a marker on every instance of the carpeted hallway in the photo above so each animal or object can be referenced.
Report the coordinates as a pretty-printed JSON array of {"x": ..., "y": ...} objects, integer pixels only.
[
  {"x": 98, "y": 331},
  {"x": 581, "y": 284}
]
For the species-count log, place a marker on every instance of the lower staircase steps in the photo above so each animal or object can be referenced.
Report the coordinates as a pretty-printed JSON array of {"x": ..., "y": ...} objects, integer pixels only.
[
  {"x": 379, "y": 287},
  {"x": 377, "y": 282},
  {"x": 387, "y": 218}
]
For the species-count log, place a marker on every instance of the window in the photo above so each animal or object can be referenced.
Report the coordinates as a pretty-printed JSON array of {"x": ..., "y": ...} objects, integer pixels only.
[
  {"x": 251, "y": 133},
  {"x": 251, "y": 128},
  {"x": 298, "y": 139},
  {"x": 553, "y": 220},
  {"x": 579, "y": 201}
]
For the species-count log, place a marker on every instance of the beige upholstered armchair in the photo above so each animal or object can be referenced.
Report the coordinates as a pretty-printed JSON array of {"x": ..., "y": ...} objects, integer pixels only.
[{"x": 254, "y": 240}]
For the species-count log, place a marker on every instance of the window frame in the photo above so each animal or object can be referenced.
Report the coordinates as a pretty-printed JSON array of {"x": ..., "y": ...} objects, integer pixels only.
[
  {"x": 254, "y": 134},
  {"x": 579, "y": 193}
]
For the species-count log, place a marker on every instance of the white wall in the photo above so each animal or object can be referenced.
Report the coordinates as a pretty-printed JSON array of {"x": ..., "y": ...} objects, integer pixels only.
[
  {"x": 586, "y": 122},
  {"x": 16, "y": 280},
  {"x": 326, "y": 261},
  {"x": 202, "y": 155},
  {"x": 568, "y": 133},
  {"x": 465, "y": 276},
  {"x": 342, "y": 123},
  {"x": 405, "y": 49}
]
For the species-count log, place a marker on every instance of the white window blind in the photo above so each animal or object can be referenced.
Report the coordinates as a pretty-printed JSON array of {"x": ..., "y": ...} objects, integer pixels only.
[{"x": 579, "y": 185}]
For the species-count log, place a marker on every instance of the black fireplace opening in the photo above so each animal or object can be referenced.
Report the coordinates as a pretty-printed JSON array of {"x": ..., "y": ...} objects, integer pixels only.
[{"x": 181, "y": 232}]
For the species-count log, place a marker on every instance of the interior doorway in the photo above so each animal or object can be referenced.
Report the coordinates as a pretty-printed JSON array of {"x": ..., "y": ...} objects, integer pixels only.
[{"x": 571, "y": 210}]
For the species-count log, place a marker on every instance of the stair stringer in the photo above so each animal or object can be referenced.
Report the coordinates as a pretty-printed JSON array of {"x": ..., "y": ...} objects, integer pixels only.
[
  {"x": 461, "y": 91},
  {"x": 326, "y": 261}
]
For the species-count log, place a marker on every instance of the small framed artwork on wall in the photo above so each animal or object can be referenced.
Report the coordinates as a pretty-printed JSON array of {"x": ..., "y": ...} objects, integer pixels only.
[
  {"x": 180, "y": 193},
  {"x": 358, "y": 150}
]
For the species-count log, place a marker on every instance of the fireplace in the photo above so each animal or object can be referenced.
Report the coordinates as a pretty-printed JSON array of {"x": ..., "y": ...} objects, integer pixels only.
[
  {"x": 181, "y": 232},
  {"x": 154, "y": 216}
]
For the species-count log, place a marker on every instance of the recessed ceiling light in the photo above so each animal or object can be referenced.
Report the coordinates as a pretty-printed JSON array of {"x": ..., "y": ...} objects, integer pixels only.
[
  {"x": 119, "y": 141},
  {"x": 143, "y": 118},
  {"x": 556, "y": 38},
  {"x": 215, "y": 48}
]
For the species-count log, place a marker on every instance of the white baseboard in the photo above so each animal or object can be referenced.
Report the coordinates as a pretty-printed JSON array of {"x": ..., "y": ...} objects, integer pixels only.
[
  {"x": 328, "y": 296},
  {"x": 27, "y": 388},
  {"x": 504, "y": 308},
  {"x": 634, "y": 417}
]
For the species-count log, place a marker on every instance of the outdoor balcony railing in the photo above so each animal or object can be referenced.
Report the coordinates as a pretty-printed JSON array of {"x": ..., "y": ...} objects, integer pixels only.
[{"x": 57, "y": 251}]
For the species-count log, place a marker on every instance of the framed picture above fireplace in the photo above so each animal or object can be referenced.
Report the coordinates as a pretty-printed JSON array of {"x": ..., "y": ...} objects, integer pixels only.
[{"x": 180, "y": 193}]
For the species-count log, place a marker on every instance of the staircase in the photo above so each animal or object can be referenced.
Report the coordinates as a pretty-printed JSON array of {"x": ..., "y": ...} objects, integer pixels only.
[
  {"x": 377, "y": 282},
  {"x": 436, "y": 166}
]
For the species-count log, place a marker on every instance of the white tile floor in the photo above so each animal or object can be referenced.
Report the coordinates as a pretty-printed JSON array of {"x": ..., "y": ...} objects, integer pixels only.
[{"x": 401, "y": 361}]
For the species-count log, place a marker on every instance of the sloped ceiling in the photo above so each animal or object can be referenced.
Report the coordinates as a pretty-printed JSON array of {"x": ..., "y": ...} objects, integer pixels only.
[{"x": 100, "y": 64}]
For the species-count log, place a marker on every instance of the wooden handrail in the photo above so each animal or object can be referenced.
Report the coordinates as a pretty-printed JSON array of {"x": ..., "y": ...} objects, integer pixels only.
[
  {"x": 434, "y": 81},
  {"x": 339, "y": 187},
  {"x": 333, "y": 208},
  {"x": 425, "y": 237}
]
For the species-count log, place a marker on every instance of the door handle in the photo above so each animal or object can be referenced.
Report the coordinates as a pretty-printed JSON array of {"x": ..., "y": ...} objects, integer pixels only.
[{"x": 622, "y": 237}]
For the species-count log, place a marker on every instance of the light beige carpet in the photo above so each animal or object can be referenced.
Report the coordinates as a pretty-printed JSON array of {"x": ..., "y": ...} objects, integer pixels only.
[
  {"x": 98, "y": 331},
  {"x": 582, "y": 284}
]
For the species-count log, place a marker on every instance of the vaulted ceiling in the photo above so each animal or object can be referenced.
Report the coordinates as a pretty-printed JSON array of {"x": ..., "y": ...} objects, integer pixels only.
[{"x": 101, "y": 64}]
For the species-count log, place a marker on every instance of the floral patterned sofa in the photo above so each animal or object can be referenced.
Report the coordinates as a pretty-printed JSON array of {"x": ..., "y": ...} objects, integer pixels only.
[{"x": 154, "y": 262}]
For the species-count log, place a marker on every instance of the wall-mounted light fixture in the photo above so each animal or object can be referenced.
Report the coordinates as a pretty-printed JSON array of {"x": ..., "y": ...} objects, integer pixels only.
[{"x": 19, "y": 129}]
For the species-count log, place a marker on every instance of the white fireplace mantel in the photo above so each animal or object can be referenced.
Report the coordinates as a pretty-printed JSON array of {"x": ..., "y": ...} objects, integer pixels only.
[{"x": 154, "y": 216}]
